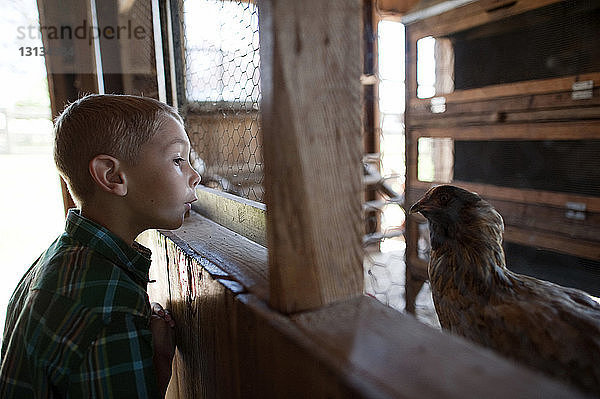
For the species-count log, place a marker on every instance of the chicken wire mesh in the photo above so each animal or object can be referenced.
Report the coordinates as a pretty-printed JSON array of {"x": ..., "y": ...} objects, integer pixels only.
[{"x": 222, "y": 94}]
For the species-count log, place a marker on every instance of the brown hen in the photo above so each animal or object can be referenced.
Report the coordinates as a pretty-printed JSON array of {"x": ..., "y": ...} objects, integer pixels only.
[{"x": 543, "y": 325}]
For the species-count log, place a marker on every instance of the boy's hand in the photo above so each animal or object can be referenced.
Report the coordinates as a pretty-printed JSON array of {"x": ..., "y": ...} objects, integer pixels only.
[{"x": 163, "y": 338}]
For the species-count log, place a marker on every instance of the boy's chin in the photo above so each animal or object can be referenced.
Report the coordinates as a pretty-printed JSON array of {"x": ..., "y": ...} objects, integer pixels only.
[{"x": 171, "y": 224}]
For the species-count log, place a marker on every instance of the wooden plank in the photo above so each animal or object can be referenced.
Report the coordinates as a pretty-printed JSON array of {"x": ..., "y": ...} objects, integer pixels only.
[
  {"x": 396, "y": 356},
  {"x": 310, "y": 70},
  {"x": 370, "y": 94},
  {"x": 201, "y": 306},
  {"x": 510, "y": 99},
  {"x": 571, "y": 246},
  {"x": 277, "y": 360},
  {"x": 536, "y": 86},
  {"x": 516, "y": 131},
  {"x": 500, "y": 118},
  {"x": 224, "y": 253},
  {"x": 427, "y": 9},
  {"x": 159, "y": 290},
  {"x": 419, "y": 267},
  {"x": 551, "y": 220},
  {"x": 243, "y": 216},
  {"x": 473, "y": 14}
]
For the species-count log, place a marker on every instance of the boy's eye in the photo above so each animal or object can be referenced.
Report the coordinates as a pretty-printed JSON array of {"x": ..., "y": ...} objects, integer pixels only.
[{"x": 178, "y": 161}]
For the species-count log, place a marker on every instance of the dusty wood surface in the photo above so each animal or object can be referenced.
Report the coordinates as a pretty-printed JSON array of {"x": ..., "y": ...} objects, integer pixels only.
[
  {"x": 232, "y": 345},
  {"x": 224, "y": 253},
  {"x": 243, "y": 216},
  {"x": 310, "y": 70},
  {"x": 204, "y": 365},
  {"x": 403, "y": 358}
]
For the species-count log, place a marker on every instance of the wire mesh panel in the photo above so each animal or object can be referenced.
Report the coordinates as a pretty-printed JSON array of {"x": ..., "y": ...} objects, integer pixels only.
[{"x": 222, "y": 94}]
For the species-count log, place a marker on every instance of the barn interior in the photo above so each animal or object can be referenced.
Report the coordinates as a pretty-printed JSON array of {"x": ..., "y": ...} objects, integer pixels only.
[{"x": 315, "y": 126}]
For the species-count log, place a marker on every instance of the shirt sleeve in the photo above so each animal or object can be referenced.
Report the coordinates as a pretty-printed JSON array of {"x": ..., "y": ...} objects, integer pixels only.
[{"x": 118, "y": 363}]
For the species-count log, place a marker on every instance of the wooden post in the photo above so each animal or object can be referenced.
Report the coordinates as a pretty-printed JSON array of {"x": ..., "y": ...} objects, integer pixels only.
[
  {"x": 311, "y": 109},
  {"x": 129, "y": 59},
  {"x": 70, "y": 63}
]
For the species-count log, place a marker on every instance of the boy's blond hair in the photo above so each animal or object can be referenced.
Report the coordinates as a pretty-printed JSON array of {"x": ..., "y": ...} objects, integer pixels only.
[{"x": 115, "y": 125}]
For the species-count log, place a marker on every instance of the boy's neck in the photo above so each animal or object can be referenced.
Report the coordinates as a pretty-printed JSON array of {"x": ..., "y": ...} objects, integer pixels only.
[{"x": 112, "y": 220}]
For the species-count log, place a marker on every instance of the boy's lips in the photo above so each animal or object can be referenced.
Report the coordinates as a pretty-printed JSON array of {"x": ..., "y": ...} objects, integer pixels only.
[{"x": 188, "y": 204}]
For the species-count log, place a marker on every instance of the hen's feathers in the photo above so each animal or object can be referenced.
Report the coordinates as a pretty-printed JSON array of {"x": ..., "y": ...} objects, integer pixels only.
[{"x": 546, "y": 326}]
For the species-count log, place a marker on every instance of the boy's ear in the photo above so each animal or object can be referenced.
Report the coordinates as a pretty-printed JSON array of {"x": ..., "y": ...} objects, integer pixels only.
[{"x": 108, "y": 174}]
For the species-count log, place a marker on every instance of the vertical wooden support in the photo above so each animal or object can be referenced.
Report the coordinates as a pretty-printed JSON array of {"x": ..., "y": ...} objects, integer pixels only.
[
  {"x": 311, "y": 110},
  {"x": 70, "y": 63},
  {"x": 369, "y": 103},
  {"x": 129, "y": 51}
]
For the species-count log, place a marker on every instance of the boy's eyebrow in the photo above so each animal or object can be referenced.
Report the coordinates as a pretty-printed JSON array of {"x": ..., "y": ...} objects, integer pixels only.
[{"x": 177, "y": 141}]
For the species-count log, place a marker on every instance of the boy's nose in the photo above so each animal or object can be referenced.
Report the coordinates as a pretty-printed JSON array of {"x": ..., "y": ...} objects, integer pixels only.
[{"x": 194, "y": 177}]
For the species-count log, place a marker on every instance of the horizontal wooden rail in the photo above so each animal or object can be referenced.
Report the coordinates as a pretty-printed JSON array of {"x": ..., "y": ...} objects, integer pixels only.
[
  {"x": 241, "y": 215},
  {"x": 232, "y": 345}
]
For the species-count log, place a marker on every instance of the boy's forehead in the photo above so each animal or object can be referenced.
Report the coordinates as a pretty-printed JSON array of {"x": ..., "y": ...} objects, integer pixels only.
[{"x": 171, "y": 134}]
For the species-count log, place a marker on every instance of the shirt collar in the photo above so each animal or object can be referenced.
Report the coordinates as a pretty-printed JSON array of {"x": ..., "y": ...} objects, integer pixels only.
[{"x": 133, "y": 259}]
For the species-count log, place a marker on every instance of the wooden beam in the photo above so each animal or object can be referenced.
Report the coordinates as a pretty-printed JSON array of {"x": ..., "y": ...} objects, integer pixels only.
[
  {"x": 579, "y": 130},
  {"x": 310, "y": 76},
  {"x": 469, "y": 15}
]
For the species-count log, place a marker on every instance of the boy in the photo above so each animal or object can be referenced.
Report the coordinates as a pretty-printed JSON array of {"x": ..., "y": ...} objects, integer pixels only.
[{"x": 79, "y": 323}]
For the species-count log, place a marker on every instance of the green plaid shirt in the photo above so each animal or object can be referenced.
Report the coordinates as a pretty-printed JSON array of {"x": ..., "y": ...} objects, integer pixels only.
[{"x": 77, "y": 325}]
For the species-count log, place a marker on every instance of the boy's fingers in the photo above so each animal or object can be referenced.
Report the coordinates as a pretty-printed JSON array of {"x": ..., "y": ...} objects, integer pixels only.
[
  {"x": 168, "y": 318},
  {"x": 157, "y": 309},
  {"x": 163, "y": 313}
]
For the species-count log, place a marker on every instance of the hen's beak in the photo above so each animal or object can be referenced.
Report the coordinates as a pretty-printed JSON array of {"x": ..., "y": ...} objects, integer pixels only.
[{"x": 419, "y": 206}]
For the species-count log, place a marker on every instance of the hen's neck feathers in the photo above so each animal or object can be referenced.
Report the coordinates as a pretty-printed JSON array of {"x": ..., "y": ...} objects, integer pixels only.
[{"x": 471, "y": 249}]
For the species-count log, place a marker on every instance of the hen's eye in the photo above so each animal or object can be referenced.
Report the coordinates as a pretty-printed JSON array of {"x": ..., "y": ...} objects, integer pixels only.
[{"x": 444, "y": 198}]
